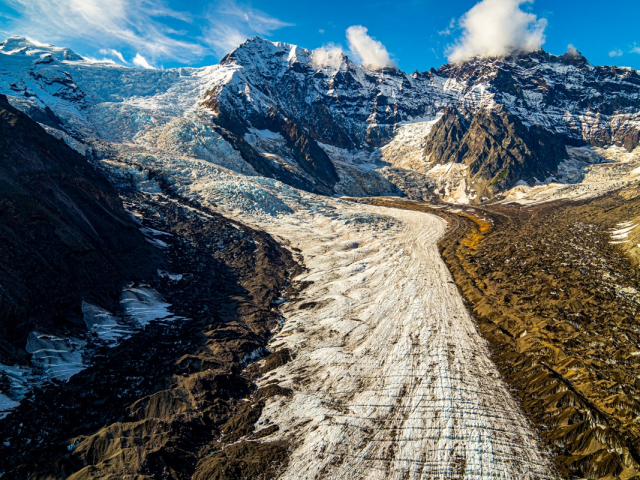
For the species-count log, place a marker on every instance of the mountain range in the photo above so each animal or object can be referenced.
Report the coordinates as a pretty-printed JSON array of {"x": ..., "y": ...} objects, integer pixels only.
[
  {"x": 195, "y": 281},
  {"x": 328, "y": 125}
]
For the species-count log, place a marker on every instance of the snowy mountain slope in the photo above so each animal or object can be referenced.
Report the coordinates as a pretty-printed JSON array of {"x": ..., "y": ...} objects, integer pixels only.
[
  {"x": 324, "y": 115},
  {"x": 349, "y": 106}
]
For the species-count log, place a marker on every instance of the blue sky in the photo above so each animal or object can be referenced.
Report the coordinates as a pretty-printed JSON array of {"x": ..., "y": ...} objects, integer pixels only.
[{"x": 417, "y": 34}]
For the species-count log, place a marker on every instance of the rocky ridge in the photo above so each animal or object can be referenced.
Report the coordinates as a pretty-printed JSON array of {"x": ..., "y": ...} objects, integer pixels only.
[{"x": 66, "y": 237}]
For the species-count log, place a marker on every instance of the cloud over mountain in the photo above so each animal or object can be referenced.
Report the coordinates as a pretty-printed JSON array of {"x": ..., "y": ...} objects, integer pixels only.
[
  {"x": 366, "y": 49},
  {"x": 494, "y": 28},
  {"x": 329, "y": 55}
]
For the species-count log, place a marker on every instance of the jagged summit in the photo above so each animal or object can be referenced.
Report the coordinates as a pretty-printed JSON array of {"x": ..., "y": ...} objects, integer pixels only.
[
  {"x": 258, "y": 48},
  {"x": 17, "y": 45},
  {"x": 571, "y": 57},
  {"x": 259, "y": 51}
]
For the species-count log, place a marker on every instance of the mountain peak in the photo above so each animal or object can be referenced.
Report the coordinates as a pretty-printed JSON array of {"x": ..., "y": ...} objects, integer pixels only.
[
  {"x": 573, "y": 57},
  {"x": 257, "y": 48},
  {"x": 17, "y": 45}
]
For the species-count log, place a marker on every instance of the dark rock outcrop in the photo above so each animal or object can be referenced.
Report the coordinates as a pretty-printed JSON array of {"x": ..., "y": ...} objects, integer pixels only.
[
  {"x": 308, "y": 154},
  {"x": 170, "y": 402},
  {"x": 65, "y": 236},
  {"x": 497, "y": 147}
]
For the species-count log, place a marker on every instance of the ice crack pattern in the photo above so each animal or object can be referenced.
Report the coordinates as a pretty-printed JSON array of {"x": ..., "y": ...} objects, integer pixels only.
[{"x": 391, "y": 377}]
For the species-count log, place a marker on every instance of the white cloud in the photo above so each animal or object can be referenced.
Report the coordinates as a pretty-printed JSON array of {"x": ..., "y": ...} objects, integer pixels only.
[
  {"x": 494, "y": 28},
  {"x": 329, "y": 55},
  {"x": 447, "y": 31},
  {"x": 615, "y": 53},
  {"x": 132, "y": 23},
  {"x": 230, "y": 24},
  {"x": 635, "y": 49},
  {"x": 139, "y": 25},
  {"x": 572, "y": 51},
  {"x": 99, "y": 60},
  {"x": 321, "y": 31},
  {"x": 140, "y": 61},
  {"x": 114, "y": 53},
  {"x": 367, "y": 50}
]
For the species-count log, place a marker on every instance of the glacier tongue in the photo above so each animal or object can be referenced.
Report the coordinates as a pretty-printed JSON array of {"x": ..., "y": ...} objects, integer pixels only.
[{"x": 390, "y": 376}]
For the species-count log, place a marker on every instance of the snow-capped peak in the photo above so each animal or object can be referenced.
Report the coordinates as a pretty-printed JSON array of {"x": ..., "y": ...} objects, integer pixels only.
[{"x": 22, "y": 46}]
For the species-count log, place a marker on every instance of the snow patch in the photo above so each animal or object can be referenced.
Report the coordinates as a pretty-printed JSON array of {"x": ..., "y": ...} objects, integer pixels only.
[{"x": 59, "y": 357}]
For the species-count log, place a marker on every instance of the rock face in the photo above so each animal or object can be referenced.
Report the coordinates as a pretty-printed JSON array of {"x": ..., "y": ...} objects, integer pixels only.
[
  {"x": 172, "y": 400},
  {"x": 335, "y": 103},
  {"x": 565, "y": 94},
  {"x": 65, "y": 236},
  {"x": 497, "y": 147},
  {"x": 341, "y": 104}
]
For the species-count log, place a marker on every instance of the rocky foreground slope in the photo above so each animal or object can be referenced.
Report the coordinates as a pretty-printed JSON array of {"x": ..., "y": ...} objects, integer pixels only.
[{"x": 66, "y": 237}]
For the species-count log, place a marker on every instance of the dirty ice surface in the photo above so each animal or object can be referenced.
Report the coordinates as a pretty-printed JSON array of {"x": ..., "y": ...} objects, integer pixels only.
[
  {"x": 589, "y": 172},
  {"x": 59, "y": 358},
  {"x": 391, "y": 377},
  {"x": 145, "y": 305}
]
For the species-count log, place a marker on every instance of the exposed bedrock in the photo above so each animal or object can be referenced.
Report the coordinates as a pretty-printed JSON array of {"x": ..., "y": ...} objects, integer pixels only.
[{"x": 497, "y": 147}]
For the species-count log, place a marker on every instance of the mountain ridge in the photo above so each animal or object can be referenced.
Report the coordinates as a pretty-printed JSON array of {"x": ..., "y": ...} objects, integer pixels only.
[{"x": 334, "y": 110}]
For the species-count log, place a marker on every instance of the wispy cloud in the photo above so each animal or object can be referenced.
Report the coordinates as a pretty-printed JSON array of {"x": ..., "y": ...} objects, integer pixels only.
[
  {"x": 616, "y": 53},
  {"x": 494, "y": 28},
  {"x": 140, "y": 26},
  {"x": 366, "y": 49},
  {"x": 99, "y": 60},
  {"x": 113, "y": 53},
  {"x": 447, "y": 31},
  {"x": 134, "y": 23},
  {"x": 635, "y": 49},
  {"x": 231, "y": 23},
  {"x": 140, "y": 61}
]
